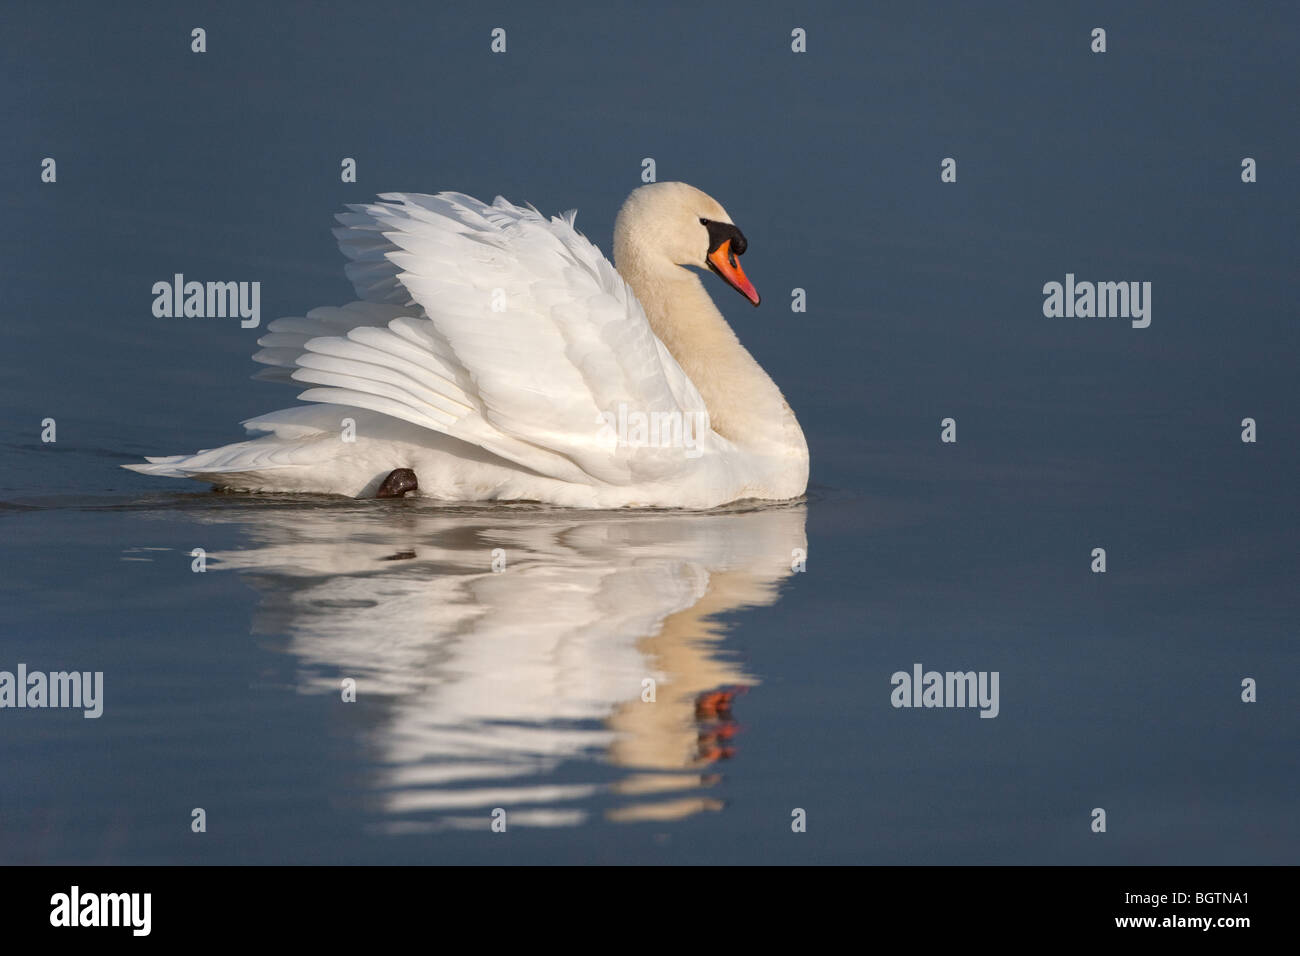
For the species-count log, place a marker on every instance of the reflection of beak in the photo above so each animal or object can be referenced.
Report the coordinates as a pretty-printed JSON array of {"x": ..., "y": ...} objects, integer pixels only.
[{"x": 724, "y": 263}]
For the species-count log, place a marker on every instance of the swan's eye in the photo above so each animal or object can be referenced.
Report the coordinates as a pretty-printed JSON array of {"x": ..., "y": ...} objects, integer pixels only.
[{"x": 704, "y": 222}]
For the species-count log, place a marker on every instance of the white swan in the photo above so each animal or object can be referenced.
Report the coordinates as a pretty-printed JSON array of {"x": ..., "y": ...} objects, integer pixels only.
[{"x": 496, "y": 355}]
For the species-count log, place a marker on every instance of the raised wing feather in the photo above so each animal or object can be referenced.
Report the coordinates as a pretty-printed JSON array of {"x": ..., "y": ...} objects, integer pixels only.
[{"x": 499, "y": 327}]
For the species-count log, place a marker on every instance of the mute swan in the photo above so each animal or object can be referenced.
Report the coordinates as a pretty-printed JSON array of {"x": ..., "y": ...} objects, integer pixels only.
[{"x": 496, "y": 355}]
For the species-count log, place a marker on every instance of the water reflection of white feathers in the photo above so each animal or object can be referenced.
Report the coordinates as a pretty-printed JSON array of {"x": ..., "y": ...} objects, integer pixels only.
[{"x": 495, "y": 679}]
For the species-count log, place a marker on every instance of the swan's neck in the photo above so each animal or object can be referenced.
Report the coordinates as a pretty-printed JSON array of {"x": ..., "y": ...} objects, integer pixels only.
[{"x": 744, "y": 404}]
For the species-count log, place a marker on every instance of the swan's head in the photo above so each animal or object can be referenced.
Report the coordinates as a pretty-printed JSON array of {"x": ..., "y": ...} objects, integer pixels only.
[{"x": 665, "y": 224}]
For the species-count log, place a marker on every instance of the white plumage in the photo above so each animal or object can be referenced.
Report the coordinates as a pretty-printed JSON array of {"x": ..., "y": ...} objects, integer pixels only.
[{"x": 494, "y": 352}]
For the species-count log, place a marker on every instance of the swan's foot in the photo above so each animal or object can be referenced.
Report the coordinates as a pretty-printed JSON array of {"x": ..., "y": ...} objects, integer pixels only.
[{"x": 398, "y": 483}]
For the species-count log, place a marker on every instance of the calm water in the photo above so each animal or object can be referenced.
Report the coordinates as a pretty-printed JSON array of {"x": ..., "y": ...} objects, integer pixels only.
[{"x": 523, "y": 689}]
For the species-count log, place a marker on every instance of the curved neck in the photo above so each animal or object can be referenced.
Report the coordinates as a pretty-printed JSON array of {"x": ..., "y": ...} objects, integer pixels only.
[{"x": 744, "y": 404}]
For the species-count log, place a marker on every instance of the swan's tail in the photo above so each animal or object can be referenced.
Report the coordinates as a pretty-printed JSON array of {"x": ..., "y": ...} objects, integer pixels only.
[
  {"x": 289, "y": 443},
  {"x": 165, "y": 466}
]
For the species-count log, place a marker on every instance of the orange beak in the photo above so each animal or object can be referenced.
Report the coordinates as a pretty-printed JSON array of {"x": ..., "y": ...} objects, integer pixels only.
[{"x": 724, "y": 263}]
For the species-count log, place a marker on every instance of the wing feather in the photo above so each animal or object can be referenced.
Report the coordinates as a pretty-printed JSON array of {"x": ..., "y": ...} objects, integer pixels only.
[{"x": 494, "y": 325}]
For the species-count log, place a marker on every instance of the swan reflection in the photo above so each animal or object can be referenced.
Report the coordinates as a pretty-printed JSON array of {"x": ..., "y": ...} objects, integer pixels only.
[{"x": 522, "y": 687}]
